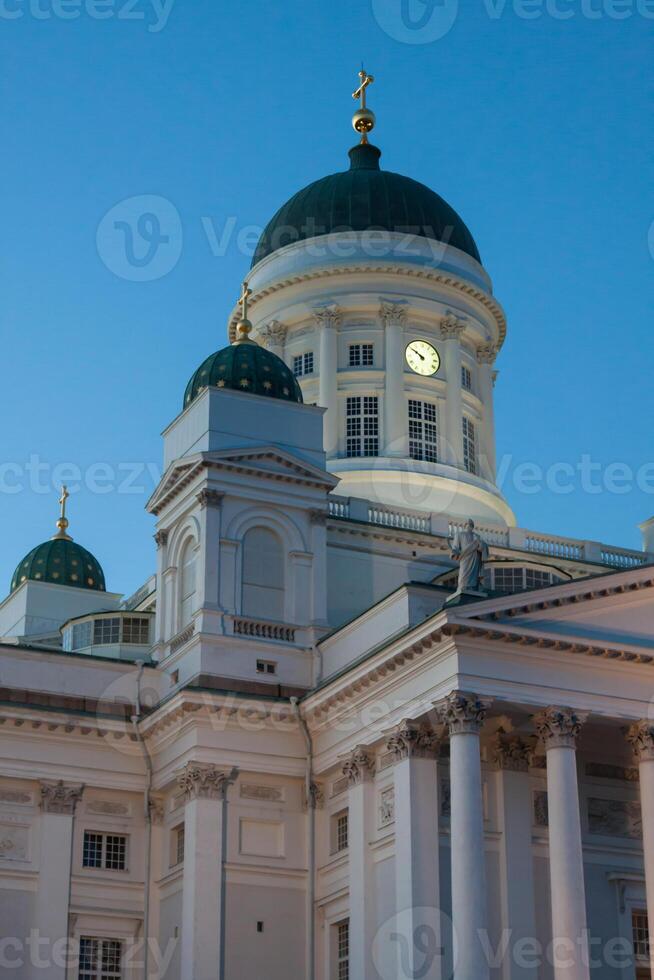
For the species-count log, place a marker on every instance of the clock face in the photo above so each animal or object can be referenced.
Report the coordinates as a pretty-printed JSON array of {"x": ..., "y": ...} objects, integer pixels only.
[{"x": 423, "y": 358}]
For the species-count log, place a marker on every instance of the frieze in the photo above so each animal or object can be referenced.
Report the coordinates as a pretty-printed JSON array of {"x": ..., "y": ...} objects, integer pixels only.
[
  {"x": 541, "y": 808},
  {"x": 14, "y": 842},
  {"x": 251, "y": 791},
  {"x": 387, "y": 806},
  {"x": 615, "y": 818},
  {"x": 109, "y": 807}
]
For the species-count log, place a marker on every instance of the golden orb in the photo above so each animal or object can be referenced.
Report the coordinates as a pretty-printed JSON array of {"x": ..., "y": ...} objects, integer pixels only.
[{"x": 363, "y": 121}]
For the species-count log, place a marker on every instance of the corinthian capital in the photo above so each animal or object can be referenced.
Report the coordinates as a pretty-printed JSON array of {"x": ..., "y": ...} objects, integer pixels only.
[
  {"x": 486, "y": 354},
  {"x": 328, "y": 317},
  {"x": 391, "y": 313},
  {"x": 203, "y": 782},
  {"x": 641, "y": 737},
  {"x": 412, "y": 741},
  {"x": 60, "y": 798},
  {"x": 359, "y": 765},
  {"x": 463, "y": 712},
  {"x": 558, "y": 727},
  {"x": 209, "y": 498},
  {"x": 451, "y": 326},
  {"x": 273, "y": 333},
  {"x": 512, "y": 752}
]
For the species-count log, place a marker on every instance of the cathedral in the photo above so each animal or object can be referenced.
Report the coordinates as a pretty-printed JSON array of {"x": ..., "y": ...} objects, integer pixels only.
[{"x": 358, "y": 724}]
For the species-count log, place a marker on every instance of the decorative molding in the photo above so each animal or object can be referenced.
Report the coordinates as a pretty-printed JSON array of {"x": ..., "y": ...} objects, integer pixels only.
[
  {"x": 486, "y": 354},
  {"x": 604, "y": 770},
  {"x": 14, "y": 842},
  {"x": 209, "y": 498},
  {"x": 108, "y": 807},
  {"x": 273, "y": 333},
  {"x": 451, "y": 326},
  {"x": 615, "y": 818},
  {"x": 203, "y": 782},
  {"x": 181, "y": 638},
  {"x": 318, "y": 517},
  {"x": 316, "y": 799},
  {"x": 641, "y": 738},
  {"x": 512, "y": 753},
  {"x": 558, "y": 727},
  {"x": 60, "y": 798},
  {"x": 387, "y": 806},
  {"x": 161, "y": 538},
  {"x": 462, "y": 712},
  {"x": 412, "y": 741},
  {"x": 251, "y": 791},
  {"x": 329, "y": 317},
  {"x": 157, "y": 810},
  {"x": 359, "y": 766},
  {"x": 392, "y": 313},
  {"x": 15, "y": 796}
]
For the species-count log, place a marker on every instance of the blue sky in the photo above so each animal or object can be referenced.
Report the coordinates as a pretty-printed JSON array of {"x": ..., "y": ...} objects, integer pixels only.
[{"x": 532, "y": 119}]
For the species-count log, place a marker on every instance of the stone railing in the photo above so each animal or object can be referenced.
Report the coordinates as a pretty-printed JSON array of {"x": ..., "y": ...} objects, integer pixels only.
[
  {"x": 513, "y": 538},
  {"x": 263, "y": 630}
]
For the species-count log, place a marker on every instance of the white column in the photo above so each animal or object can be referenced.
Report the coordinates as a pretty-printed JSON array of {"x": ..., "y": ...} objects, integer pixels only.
[
  {"x": 201, "y": 889},
  {"x": 208, "y": 561},
  {"x": 558, "y": 729},
  {"x": 328, "y": 321},
  {"x": 511, "y": 756},
  {"x": 359, "y": 769},
  {"x": 161, "y": 541},
  {"x": 58, "y": 802},
  {"x": 396, "y": 422},
  {"x": 417, "y": 929},
  {"x": 452, "y": 426},
  {"x": 485, "y": 359},
  {"x": 464, "y": 714},
  {"x": 273, "y": 336},
  {"x": 641, "y": 737}
]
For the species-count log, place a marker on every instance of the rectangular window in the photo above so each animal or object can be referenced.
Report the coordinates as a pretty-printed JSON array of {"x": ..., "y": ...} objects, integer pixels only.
[
  {"x": 108, "y": 851},
  {"x": 266, "y": 667},
  {"x": 339, "y": 832},
  {"x": 362, "y": 425},
  {"x": 178, "y": 844},
  {"x": 303, "y": 364},
  {"x": 82, "y": 635},
  {"x": 640, "y": 929},
  {"x": 508, "y": 580},
  {"x": 100, "y": 959},
  {"x": 469, "y": 446},
  {"x": 361, "y": 355},
  {"x": 136, "y": 629},
  {"x": 423, "y": 431},
  {"x": 466, "y": 378},
  {"x": 343, "y": 950},
  {"x": 106, "y": 630}
]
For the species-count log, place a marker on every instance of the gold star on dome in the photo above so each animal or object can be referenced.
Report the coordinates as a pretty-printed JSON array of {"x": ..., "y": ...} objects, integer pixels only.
[
  {"x": 285, "y": 390},
  {"x": 267, "y": 385},
  {"x": 244, "y": 383},
  {"x": 221, "y": 384}
]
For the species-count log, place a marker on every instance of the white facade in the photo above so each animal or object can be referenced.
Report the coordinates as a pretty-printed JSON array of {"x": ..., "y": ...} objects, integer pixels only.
[{"x": 316, "y": 767}]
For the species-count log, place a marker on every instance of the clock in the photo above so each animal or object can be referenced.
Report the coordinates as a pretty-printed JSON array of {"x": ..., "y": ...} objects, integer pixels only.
[{"x": 423, "y": 358}]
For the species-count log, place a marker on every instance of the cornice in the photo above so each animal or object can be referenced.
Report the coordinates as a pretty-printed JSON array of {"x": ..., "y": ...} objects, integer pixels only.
[{"x": 445, "y": 279}]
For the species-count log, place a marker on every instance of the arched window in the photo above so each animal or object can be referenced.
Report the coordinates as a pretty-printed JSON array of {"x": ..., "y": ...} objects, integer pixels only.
[
  {"x": 263, "y": 575},
  {"x": 187, "y": 584}
]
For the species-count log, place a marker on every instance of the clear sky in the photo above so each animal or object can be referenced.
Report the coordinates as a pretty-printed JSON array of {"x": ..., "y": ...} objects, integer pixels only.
[{"x": 533, "y": 119}]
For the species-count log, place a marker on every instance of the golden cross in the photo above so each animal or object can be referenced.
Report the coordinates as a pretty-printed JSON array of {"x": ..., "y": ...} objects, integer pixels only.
[
  {"x": 360, "y": 93},
  {"x": 243, "y": 300},
  {"x": 62, "y": 500}
]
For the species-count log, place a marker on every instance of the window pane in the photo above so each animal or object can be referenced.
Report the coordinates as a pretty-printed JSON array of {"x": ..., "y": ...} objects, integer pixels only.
[
  {"x": 362, "y": 425},
  {"x": 92, "y": 852},
  {"x": 423, "y": 431},
  {"x": 469, "y": 446},
  {"x": 115, "y": 852}
]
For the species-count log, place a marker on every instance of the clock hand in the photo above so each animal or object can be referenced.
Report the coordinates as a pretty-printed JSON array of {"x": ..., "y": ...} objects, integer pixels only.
[{"x": 421, "y": 356}]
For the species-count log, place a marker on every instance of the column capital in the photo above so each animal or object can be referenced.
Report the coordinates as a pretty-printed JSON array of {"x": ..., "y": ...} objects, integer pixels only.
[
  {"x": 204, "y": 782},
  {"x": 512, "y": 752},
  {"x": 328, "y": 316},
  {"x": 559, "y": 727},
  {"x": 451, "y": 326},
  {"x": 359, "y": 765},
  {"x": 318, "y": 517},
  {"x": 161, "y": 538},
  {"x": 641, "y": 738},
  {"x": 316, "y": 800},
  {"x": 392, "y": 313},
  {"x": 156, "y": 810},
  {"x": 273, "y": 333},
  {"x": 209, "y": 498},
  {"x": 486, "y": 354},
  {"x": 59, "y": 797},
  {"x": 463, "y": 712},
  {"x": 413, "y": 741}
]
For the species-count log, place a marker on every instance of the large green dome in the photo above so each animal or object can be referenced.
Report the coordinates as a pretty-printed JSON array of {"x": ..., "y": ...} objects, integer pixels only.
[
  {"x": 365, "y": 198},
  {"x": 245, "y": 367},
  {"x": 62, "y": 562}
]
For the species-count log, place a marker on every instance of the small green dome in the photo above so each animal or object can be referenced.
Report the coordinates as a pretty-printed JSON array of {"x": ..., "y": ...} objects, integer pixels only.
[
  {"x": 62, "y": 562},
  {"x": 245, "y": 367},
  {"x": 365, "y": 198}
]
